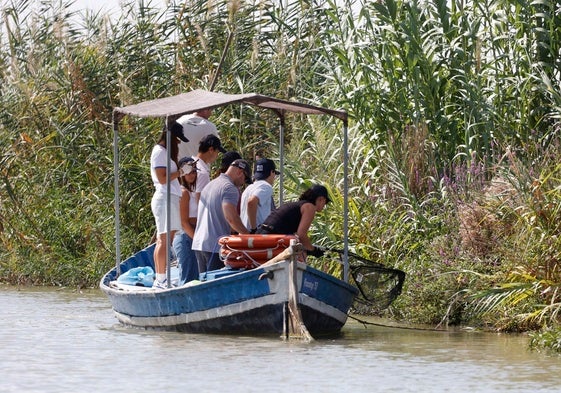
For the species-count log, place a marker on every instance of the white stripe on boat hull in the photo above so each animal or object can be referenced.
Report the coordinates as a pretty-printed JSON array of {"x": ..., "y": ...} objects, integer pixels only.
[{"x": 227, "y": 311}]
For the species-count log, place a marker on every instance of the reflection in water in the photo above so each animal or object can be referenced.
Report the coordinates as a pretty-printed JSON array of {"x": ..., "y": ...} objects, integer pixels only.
[{"x": 60, "y": 340}]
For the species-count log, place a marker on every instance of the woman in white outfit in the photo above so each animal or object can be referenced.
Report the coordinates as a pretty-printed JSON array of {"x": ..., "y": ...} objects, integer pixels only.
[{"x": 158, "y": 165}]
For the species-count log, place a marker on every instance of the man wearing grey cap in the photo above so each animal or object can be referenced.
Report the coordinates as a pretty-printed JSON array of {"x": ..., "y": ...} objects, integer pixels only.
[
  {"x": 217, "y": 214},
  {"x": 257, "y": 199}
]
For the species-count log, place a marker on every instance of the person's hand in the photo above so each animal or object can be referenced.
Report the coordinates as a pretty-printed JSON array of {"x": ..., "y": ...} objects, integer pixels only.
[{"x": 317, "y": 252}]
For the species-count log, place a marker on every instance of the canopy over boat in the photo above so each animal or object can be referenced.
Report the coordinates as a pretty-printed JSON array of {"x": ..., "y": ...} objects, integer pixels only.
[
  {"x": 173, "y": 107},
  {"x": 197, "y": 100}
]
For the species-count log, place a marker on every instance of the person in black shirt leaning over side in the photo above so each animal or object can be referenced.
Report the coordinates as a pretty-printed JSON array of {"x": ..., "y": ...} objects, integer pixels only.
[{"x": 295, "y": 218}]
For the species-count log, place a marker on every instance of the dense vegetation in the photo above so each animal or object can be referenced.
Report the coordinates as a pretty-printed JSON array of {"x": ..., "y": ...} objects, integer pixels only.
[{"x": 454, "y": 137}]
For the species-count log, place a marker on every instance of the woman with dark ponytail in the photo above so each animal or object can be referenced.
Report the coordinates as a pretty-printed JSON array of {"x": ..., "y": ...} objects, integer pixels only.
[
  {"x": 158, "y": 172},
  {"x": 295, "y": 218}
]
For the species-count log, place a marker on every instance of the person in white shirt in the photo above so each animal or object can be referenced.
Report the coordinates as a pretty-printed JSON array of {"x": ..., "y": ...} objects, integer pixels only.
[
  {"x": 195, "y": 127},
  {"x": 257, "y": 199},
  {"x": 158, "y": 172}
]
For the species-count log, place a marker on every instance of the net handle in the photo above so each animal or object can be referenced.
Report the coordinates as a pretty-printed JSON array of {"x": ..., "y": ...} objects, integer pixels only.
[{"x": 361, "y": 258}]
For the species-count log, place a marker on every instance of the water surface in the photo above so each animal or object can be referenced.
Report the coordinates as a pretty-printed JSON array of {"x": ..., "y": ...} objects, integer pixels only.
[{"x": 55, "y": 340}]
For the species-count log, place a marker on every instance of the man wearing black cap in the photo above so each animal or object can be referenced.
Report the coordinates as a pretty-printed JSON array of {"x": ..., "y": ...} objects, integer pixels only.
[
  {"x": 257, "y": 199},
  {"x": 209, "y": 148},
  {"x": 218, "y": 214}
]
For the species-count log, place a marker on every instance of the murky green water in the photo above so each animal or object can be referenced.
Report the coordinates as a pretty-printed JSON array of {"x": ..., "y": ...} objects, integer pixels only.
[{"x": 60, "y": 340}]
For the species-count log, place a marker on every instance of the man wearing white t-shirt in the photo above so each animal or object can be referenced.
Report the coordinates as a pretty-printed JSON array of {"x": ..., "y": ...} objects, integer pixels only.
[
  {"x": 257, "y": 198},
  {"x": 195, "y": 127}
]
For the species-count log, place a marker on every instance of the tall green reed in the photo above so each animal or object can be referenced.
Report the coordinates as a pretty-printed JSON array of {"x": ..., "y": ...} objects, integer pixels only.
[{"x": 437, "y": 92}]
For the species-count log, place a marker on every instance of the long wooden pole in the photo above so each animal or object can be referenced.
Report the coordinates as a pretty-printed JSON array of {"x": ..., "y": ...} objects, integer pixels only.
[{"x": 296, "y": 327}]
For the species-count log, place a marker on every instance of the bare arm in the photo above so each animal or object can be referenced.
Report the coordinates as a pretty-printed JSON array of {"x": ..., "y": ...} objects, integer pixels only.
[
  {"x": 252, "y": 205},
  {"x": 161, "y": 175},
  {"x": 184, "y": 213},
  {"x": 308, "y": 211},
  {"x": 233, "y": 218}
]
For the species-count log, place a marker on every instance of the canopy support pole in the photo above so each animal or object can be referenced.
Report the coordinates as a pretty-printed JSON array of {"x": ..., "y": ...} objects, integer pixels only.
[
  {"x": 281, "y": 158},
  {"x": 168, "y": 202},
  {"x": 116, "y": 117},
  {"x": 345, "y": 201}
]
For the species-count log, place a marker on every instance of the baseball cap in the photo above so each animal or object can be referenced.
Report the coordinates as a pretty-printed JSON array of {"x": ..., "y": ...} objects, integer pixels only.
[
  {"x": 211, "y": 140},
  {"x": 190, "y": 162},
  {"x": 177, "y": 131},
  {"x": 263, "y": 168},
  {"x": 227, "y": 159},
  {"x": 320, "y": 190},
  {"x": 243, "y": 165}
]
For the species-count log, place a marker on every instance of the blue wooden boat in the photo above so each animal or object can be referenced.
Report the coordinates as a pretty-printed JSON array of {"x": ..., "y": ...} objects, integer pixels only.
[
  {"x": 284, "y": 296},
  {"x": 235, "y": 301}
]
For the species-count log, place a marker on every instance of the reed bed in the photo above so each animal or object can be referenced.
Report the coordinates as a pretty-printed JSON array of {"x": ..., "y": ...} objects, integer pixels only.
[{"x": 454, "y": 149}]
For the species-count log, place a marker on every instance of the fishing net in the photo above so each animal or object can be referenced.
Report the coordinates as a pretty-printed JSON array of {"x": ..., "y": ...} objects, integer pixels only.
[{"x": 377, "y": 284}]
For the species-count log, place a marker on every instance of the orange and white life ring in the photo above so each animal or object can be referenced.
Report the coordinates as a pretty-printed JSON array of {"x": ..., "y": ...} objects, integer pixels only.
[
  {"x": 250, "y": 251},
  {"x": 260, "y": 255},
  {"x": 245, "y": 260},
  {"x": 249, "y": 258},
  {"x": 255, "y": 241}
]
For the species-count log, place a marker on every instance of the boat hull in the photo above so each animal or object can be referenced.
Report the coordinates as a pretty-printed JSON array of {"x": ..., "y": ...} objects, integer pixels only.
[{"x": 252, "y": 302}]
